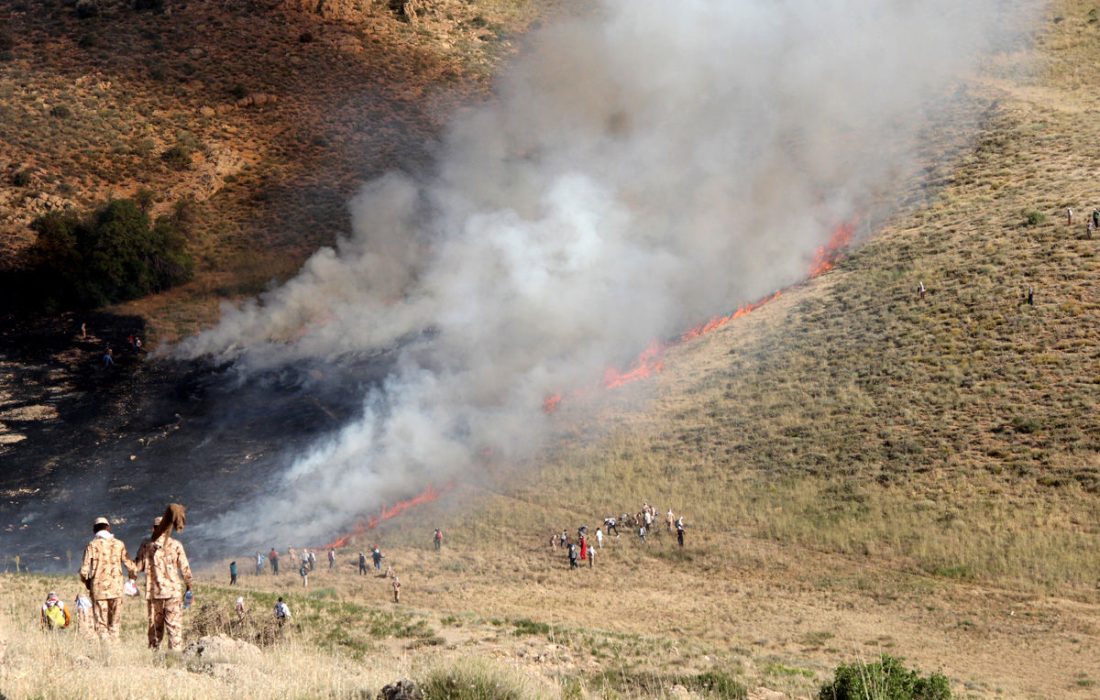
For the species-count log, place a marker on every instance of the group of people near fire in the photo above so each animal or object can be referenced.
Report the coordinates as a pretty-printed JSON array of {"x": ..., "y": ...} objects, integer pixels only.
[
  {"x": 168, "y": 579},
  {"x": 167, "y": 583},
  {"x": 586, "y": 547}
]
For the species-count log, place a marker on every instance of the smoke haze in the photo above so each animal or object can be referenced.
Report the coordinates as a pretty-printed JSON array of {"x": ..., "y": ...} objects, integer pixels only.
[{"x": 638, "y": 171}]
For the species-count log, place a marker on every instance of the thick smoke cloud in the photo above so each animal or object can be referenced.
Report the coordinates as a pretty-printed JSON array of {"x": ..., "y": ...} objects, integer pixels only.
[{"x": 638, "y": 171}]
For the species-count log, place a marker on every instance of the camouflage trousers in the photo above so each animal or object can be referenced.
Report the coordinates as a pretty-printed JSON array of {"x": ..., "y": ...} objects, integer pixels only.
[
  {"x": 107, "y": 616},
  {"x": 165, "y": 616}
]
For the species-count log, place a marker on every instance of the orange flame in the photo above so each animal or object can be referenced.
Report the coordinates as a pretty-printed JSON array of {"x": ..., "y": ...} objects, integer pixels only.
[
  {"x": 647, "y": 364},
  {"x": 650, "y": 362},
  {"x": 365, "y": 525}
]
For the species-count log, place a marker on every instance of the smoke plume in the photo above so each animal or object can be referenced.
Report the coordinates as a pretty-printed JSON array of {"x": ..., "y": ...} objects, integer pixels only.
[{"x": 638, "y": 170}]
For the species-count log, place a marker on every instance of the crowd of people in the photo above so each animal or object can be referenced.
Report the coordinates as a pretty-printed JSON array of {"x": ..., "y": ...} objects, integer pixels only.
[
  {"x": 581, "y": 549},
  {"x": 168, "y": 580}
]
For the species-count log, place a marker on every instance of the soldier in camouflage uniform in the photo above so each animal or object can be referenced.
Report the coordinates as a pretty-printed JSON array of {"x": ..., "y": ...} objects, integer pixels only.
[
  {"x": 163, "y": 561},
  {"x": 104, "y": 558}
]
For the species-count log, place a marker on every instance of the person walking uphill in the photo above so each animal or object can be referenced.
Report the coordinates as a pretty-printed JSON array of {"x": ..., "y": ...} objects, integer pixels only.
[
  {"x": 104, "y": 558},
  {"x": 167, "y": 578}
]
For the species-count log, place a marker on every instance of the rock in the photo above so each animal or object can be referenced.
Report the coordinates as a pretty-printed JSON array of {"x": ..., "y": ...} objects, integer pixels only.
[
  {"x": 403, "y": 689},
  {"x": 207, "y": 112},
  {"x": 221, "y": 647},
  {"x": 196, "y": 52}
]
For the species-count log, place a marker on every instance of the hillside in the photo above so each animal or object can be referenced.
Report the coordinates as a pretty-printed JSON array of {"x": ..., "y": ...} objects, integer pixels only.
[
  {"x": 265, "y": 115},
  {"x": 862, "y": 470}
]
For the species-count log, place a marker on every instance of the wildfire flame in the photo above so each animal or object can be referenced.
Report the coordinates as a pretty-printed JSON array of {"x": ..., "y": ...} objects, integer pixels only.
[
  {"x": 365, "y": 525},
  {"x": 651, "y": 360}
]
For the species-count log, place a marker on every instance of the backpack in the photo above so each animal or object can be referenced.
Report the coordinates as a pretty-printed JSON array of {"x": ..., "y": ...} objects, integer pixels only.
[{"x": 55, "y": 616}]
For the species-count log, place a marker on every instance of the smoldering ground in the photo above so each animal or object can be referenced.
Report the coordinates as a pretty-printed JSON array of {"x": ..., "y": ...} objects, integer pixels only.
[{"x": 637, "y": 171}]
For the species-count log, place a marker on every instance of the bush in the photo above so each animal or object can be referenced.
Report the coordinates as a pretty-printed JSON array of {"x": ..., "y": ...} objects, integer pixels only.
[
  {"x": 470, "y": 682},
  {"x": 86, "y": 9},
  {"x": 61, "y": 112},
  {"x": 885, "y": 679},
  {"x": 305, "y": 37},
  {"x": 21, "y": 178},
  {"x": 177, "y": 157},
  {"x": 149, "y": 5},
  {"x": 1034, "y": 218},
  {"x": 112, "y": 254}
]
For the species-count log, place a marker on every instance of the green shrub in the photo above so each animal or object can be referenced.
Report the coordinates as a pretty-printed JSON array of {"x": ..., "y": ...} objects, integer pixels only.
[
  {"x": 21, "y": 178},
  {"x": 1034, "y": 218},
  {"x": 177, "y": 157},
  {"x": 885, "y": 679},
  {"x": 61, "y": 112},
  {"x": 112, "y": 254}
]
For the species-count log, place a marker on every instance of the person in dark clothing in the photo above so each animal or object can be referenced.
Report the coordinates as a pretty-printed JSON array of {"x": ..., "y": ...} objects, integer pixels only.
[
  {"x": 377, "y": 556},
  {"x": 331, "y": 559},
  {"x": 362, "y": 564},
  {"x": 437, "y": 538},
  {"x": 1096, "y": 218},
  {"x": 573, "y": 554},
  {"x": 680, "y": 530},
  {"x": 1030, "y": 296},
  {"x": 273, "y": 557},
  {"x": 232, "y": 573}
]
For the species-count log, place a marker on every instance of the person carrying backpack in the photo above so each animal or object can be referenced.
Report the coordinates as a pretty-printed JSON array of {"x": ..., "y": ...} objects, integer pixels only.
[
  {"x": 282, "y": 612},
  {"x": 55, "y": 615},
  {"x": 304, "y": 573}
]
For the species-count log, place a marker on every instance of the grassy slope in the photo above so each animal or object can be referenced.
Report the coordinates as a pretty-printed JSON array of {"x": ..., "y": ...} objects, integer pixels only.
[{"x": 863, "y": 471}]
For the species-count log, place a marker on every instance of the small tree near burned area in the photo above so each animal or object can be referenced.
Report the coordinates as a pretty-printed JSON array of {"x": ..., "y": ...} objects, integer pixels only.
[{"x": 112, "y": 254}]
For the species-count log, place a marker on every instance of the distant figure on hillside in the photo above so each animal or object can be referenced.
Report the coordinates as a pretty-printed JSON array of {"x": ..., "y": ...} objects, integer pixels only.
[
  {"x": 108, "y": 358},
  {"x": 137, "y": 343},
  {"x": 584, "y": 547},
  {"x": 680, "y": 530},
  {"x": 642, "y": 533},
  {"x": 1089, "y": 228},
  {"x": 1096, "y": 218},
  {"x": 573, "y": 556},
  {"x": 1030, "y": 296},
  {"x": 599, "y": 538},
  {"x": 83, "y": 330},
  {"x": 362, "y": 564},
  {"x": 273, "y": 557},
  {"x": 669, "y": 519},
  {"x": 232, "y": 573},
  {"x": 612, "y": 525},
  {"x": 437, "y": 539},
  {"x": 259, "y": 563},
  {"x": 331, "y": 559},
  {"x": 563, "y": 539},
  {"x": 396, "y": 589},
  {"x": 591, "y": 557},
  {"x": 55, "y": 615},
  {"x": 377, "y": 557},
  {"x": 303, "y": 571},
  {"x": 921, "y": 290},
  {"x": 1069, "y": 216},
  {"x": 282, "y": 612},
  {"x": 312, "y": 560}
]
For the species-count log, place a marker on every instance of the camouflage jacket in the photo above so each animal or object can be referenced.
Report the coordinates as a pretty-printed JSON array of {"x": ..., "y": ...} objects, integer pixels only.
[
  {"x": 163, "y": 562},
  {"x": 101, "y": 570}
]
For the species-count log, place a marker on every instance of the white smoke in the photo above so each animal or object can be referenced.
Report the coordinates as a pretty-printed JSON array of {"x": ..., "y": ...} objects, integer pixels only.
[{"x": 640, "y": 170}]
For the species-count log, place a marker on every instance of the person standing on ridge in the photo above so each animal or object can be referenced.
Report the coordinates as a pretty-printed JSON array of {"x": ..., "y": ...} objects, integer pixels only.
[
  {"x": 259, "y": 563},
  {"x": 680, "y": 530},
  {"x": 232, "y": 573},
  {"x": 167, "y": 578},
  {"x": 377, "y": 556},
  {"x": 104, "y": 557},
  {"x": 396, "y": 589},
  {"x": 437, "y": 539},
  {"x": 273, "y": 557},
  {"x": 362, "y": 564},
  {"x": 331, "y": 559}
]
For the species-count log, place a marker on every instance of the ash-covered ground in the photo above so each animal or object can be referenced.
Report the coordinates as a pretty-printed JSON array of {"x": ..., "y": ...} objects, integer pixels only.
[{"x": 78, "y": 440}]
